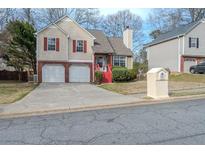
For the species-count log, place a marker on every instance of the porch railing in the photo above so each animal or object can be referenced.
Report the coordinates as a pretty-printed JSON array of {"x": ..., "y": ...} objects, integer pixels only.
[
  {"x": 105, "y": 68},
  {"x": 107, "y": 72}
]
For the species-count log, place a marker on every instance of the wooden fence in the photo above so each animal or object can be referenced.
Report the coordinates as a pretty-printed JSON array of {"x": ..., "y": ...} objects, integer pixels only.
[{"x": 13, "y": 75}]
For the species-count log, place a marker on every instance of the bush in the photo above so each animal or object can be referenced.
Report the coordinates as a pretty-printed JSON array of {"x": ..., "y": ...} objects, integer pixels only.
[
  {"x": 168, "y": 70},
  {"x": 120, "y": 74},
  {"x": 119, "y": 67},
  {"x": 98, "y": 77},
  {"x": 137, "y": 66}
]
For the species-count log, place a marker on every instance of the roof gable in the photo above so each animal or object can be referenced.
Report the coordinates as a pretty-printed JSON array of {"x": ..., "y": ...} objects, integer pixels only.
[
  {"x": 119, "y": 46},
  {"x": 101, "y": 44},
  {"x": 104, "y": 44},
  {"x": 64, "y": 18}
]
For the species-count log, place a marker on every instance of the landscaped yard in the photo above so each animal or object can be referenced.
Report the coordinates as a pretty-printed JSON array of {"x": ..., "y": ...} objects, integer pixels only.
[
  {"x": 179, "y": 84},
  {"x": 11, "y": 91}
]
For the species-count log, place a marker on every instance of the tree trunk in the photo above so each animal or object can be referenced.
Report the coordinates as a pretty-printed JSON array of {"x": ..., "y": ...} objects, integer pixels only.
[{"x": 19, "y": 76}]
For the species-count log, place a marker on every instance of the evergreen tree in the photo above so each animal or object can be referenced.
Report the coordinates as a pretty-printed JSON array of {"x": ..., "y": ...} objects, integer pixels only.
[{"x": 21, "y": 48}]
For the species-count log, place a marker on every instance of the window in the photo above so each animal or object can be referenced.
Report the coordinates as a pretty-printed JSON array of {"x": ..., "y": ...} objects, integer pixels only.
[
  {"x": 79, "y": 46},
  {"x": 51, "y": 44},
  {"x": 193, "y": 42},
  {"x": 119, "y": 61}
]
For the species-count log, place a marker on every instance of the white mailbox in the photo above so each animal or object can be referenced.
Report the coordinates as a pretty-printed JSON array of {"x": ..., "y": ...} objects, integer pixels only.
[{"x": 157, "y": 83}]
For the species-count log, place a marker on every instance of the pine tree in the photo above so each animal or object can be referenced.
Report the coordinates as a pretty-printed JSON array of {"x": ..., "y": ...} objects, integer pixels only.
[{"x": 21, "y": 48}]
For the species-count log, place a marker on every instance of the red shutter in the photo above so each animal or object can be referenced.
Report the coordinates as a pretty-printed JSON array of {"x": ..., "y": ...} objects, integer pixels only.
[
  {"x": 57, "y": 44},
  {"x": 74, "y": 45},
  {"x": 85, "y": 46},
  {"x": 45, "y": 44}
]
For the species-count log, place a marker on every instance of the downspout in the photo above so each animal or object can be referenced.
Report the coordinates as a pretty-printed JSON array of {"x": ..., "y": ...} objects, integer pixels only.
[
  {"x": 36, "y": 55},
  {"x": 179, "y": 55},
  {"x": 93, "y": 62},
  {"x": 183, "y": 45}
]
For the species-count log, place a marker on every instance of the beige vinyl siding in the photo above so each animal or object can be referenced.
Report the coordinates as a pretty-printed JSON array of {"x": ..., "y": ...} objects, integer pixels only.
[
  {"x": 52, "y": 32},
  {"x": 77, "y": 33},
  {"x": 164, "y": 55},
  {"x": 66, "y": 44},
  {"x": 198, "y": 32}
]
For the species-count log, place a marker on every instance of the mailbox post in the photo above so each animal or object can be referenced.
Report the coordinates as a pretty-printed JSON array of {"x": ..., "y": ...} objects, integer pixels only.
[{"x": 157, "y": 83}]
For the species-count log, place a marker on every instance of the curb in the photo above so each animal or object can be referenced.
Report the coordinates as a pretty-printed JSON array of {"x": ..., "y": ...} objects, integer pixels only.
[{"x": 100, "y": 107}]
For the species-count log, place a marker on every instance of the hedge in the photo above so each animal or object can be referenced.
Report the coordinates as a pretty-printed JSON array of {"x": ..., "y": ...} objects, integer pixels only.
[{"x": 121, "y": 74}]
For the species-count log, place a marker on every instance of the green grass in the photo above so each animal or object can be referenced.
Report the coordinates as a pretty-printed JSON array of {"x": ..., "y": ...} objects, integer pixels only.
[
  {"x": 116, "y": 87},
  {"x": 176, "y": 81},
  {"x": 185, "y": 77},
  {"x": 126, "y": 87},
  {"x": 11, "y": 91}
]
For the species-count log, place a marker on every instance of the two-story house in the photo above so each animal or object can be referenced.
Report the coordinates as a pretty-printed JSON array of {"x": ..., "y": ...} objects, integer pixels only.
[
  {"x": 66, "y": 52},
  {"x": 178, "y": 49}
]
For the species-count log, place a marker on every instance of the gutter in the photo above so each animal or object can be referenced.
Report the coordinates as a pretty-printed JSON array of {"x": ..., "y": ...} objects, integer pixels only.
[{"x": 165, "y": 40}]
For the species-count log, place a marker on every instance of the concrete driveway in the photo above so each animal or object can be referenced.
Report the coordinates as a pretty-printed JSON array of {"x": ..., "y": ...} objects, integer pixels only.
[{"x": 65, "y": 96}]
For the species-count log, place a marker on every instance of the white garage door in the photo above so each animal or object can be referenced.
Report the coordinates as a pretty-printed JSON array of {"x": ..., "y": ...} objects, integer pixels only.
[
  {"x": 188, "y": 62},
  {"x": 53, "y": 73},
  {"x": 79, "y": 73}
]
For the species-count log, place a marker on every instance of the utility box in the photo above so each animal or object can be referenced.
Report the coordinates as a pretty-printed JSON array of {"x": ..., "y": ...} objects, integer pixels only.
[{"x": 157, "y": 83}]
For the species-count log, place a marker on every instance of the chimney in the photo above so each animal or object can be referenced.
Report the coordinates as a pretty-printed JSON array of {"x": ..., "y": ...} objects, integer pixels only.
[{"x": 127, "y": 37}]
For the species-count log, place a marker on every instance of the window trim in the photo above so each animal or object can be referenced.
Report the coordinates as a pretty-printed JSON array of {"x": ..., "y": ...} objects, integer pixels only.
[
  {"x": 124, "y": 58},
  {"x": 48, "y": 43},
  {"x": 77, "y": 46}
]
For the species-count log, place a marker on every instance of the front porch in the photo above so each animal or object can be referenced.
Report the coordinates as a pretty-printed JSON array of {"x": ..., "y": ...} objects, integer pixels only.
[{"x": 103, "y": 63}]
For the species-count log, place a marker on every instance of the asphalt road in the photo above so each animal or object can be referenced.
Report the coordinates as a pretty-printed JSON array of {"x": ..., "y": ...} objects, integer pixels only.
[{"x": 171, "y": 123}]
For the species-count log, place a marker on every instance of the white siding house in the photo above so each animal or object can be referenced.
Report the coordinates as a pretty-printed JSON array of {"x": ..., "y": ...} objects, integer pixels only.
[{"x": 178, "y": 49}]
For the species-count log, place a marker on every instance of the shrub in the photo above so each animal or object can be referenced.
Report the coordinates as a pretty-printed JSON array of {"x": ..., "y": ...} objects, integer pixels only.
[
  {"x": 98, "y": 77},
  {"x": 119, "y": 67},
  {"x": 168, "y": 70},
  {"x": 120, "y": 74},
  {"x": 143, "y": 66}
]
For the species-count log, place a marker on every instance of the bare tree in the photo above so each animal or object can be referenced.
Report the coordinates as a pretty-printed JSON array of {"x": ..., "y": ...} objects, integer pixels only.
[
  {"x": 155, "y": 33},
  {"x": 114, "y": 25},
  {"x": 53, "y": 14},
  {"x": 6, "y": 15},
  {"x": 27, "y": 15},
  {"x": 165, "y": 19},
  {"x": 194, "y": 14},
  {"x": 88, "y": 18}
]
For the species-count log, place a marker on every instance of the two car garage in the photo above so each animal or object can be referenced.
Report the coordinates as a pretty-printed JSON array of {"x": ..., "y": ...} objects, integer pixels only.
[{"x": 57, "y": 73}]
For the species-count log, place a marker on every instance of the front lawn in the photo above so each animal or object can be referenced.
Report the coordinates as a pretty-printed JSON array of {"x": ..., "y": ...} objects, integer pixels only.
[
  {"x": 186, "y": 77},
  {"x": 178, "y": 83},
  {"x": 11, "y": 91}
]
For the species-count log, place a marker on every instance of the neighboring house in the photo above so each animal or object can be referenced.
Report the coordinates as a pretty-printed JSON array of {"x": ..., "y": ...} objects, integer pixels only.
[
  {"x": 66, "y": 52},
  {"x": 178, "y": 49}
]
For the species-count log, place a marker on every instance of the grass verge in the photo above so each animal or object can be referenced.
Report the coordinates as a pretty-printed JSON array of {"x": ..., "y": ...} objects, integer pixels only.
[{"x": 11, "y": 91}]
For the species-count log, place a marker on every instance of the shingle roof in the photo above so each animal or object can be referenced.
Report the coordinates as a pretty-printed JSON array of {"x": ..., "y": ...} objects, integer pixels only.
[
  {"x": 101, "y": 44},
  {"x": 105, "y": 44},
  {"x": 119, "y": 46},
  {"x": 179, "y": 31}
]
